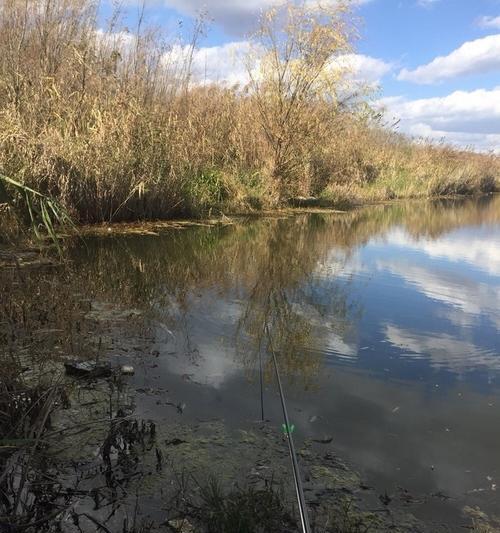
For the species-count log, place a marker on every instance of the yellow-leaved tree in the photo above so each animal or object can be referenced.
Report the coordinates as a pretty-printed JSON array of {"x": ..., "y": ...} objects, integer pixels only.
[{"x": 296, "y": 76}]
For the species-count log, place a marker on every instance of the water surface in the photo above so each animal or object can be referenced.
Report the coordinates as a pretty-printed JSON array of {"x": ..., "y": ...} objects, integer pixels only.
[{"x": 386, "y": 322}]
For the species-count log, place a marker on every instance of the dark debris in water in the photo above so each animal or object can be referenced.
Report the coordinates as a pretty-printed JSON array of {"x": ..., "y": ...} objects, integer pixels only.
[{"x": 89, "y": 369}]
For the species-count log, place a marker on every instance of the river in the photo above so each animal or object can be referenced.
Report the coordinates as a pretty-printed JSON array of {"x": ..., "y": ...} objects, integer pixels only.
[{"x": 385, "y": 321}]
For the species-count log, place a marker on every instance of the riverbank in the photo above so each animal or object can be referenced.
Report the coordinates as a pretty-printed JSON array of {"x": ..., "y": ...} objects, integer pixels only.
[
  {"x": 14, "y": 234},
  {"x": 103, "y": 132}
]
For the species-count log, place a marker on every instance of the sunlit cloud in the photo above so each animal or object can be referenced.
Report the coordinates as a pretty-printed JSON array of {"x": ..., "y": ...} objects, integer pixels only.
[
  {"x": 464, "y": 118},
  {"x": 227, "y": 64},
  {"x": 473, "y": 57},
  {"x": 362, "y": 69}
]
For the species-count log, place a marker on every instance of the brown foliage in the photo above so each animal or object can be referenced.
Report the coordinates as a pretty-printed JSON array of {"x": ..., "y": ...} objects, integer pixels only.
[{"x": 113, "y": 125}]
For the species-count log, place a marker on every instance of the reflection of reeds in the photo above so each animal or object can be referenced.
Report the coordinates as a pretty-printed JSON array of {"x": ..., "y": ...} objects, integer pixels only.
[
  {"x": 420, "y": 219},
  {"x": 266, "y": 265}
]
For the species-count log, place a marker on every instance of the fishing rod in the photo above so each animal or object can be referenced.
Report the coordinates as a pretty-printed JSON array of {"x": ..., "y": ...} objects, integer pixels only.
[
  {"x": 304, "y": 518},
  {"x": 261, "y": 379}
]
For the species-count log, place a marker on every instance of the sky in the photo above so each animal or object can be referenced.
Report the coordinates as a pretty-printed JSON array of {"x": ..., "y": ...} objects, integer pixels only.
[{"x": 436, "y": 63}]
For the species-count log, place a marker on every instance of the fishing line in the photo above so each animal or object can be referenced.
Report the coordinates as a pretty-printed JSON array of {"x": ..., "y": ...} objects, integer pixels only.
[
  {"x": 304, "y": 519},
  {"x": 261, "y": 385}
]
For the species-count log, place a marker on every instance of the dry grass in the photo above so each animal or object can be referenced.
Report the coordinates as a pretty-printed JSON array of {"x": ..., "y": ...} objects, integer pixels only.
[
  {"x": 112, "y": 125},
  {"x": 374, "y": 164}
]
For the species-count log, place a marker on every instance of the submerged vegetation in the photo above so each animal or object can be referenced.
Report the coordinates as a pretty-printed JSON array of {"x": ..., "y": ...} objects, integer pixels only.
[{"x": 117, "y": 125}]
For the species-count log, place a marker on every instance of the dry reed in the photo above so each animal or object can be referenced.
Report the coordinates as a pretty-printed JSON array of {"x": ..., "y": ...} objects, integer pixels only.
[{"x": 113, "y": 125}]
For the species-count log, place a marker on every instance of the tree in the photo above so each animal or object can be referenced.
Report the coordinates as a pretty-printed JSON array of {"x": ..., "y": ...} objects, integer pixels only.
[{"x": 295, "y": 75}]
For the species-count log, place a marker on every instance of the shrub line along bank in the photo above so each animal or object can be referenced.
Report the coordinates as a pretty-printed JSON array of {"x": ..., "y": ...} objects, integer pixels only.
[{"x": 117, "y": 126}]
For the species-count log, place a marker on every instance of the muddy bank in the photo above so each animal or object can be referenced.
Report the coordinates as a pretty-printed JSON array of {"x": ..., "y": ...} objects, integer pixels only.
[
  {"x": 101, "y": 467},
  {"x": 89, "y": 458},
  {"x": 96, "y": 461}
]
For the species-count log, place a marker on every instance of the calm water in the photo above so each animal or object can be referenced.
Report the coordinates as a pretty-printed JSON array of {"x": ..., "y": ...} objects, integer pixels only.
[{"x": 386, "y": 320}]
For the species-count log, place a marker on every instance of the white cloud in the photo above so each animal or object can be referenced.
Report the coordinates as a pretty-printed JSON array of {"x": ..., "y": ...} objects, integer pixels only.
[
  {"x": 427, "y": 3},
  {"x": 473, "y": 57},
  {"x": 123, "y": 41},
  {"x": 489, "y": 22},
  {"x": 223, "y": 64},
  {"x": 462, "y": 117},
  {"x": 226, "y": 65},
  {"x": 364, "y": 69},
  {"x": 477, "y": 141},
  {"x": 236, "y": 16}
]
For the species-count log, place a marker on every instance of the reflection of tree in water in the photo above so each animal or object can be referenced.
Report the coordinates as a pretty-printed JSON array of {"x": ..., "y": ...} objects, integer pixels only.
[
  {"x": 147, "y": 271},
  {"x": 266, "y": 264},
  {"x": 429, "y": 219},
  {"x": 284, "y": 308}
]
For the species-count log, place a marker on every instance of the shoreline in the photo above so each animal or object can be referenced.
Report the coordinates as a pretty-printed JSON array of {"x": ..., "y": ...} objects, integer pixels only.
[{"x": 125, "y": 227}]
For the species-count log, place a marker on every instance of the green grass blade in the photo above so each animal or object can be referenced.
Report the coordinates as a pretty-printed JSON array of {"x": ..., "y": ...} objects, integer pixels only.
[
  {"x": 20, "y": 185},
  {"x": 32, "y": 217},
  {"x": 41, "y": 209}
]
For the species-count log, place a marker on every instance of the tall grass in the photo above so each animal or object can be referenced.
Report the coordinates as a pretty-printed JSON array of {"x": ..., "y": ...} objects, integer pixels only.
[{"x": 114, "y": 126}]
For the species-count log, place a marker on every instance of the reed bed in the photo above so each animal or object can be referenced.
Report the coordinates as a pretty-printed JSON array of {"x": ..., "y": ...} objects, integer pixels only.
[{"x": 113, "y": 125}]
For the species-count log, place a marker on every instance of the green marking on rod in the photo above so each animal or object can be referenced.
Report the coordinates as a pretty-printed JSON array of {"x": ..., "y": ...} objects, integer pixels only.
[{"x": 289, "y": 430}]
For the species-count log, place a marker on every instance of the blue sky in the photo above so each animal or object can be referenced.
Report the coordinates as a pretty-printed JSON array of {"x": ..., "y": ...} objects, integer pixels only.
[{"x": 437, "y": 62}]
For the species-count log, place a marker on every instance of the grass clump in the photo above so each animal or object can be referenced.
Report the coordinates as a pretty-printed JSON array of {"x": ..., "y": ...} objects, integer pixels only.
[
  {"x": 209, "y": 190},
  {"x": 28, "y": 501},
  {"x": 39, "y": 210},
  {"x": 210, "y": 507},
  {"x": 347, "y": 518},
  {"x": 243, "y": 510},
  {"x": 481, "y": 522}
]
